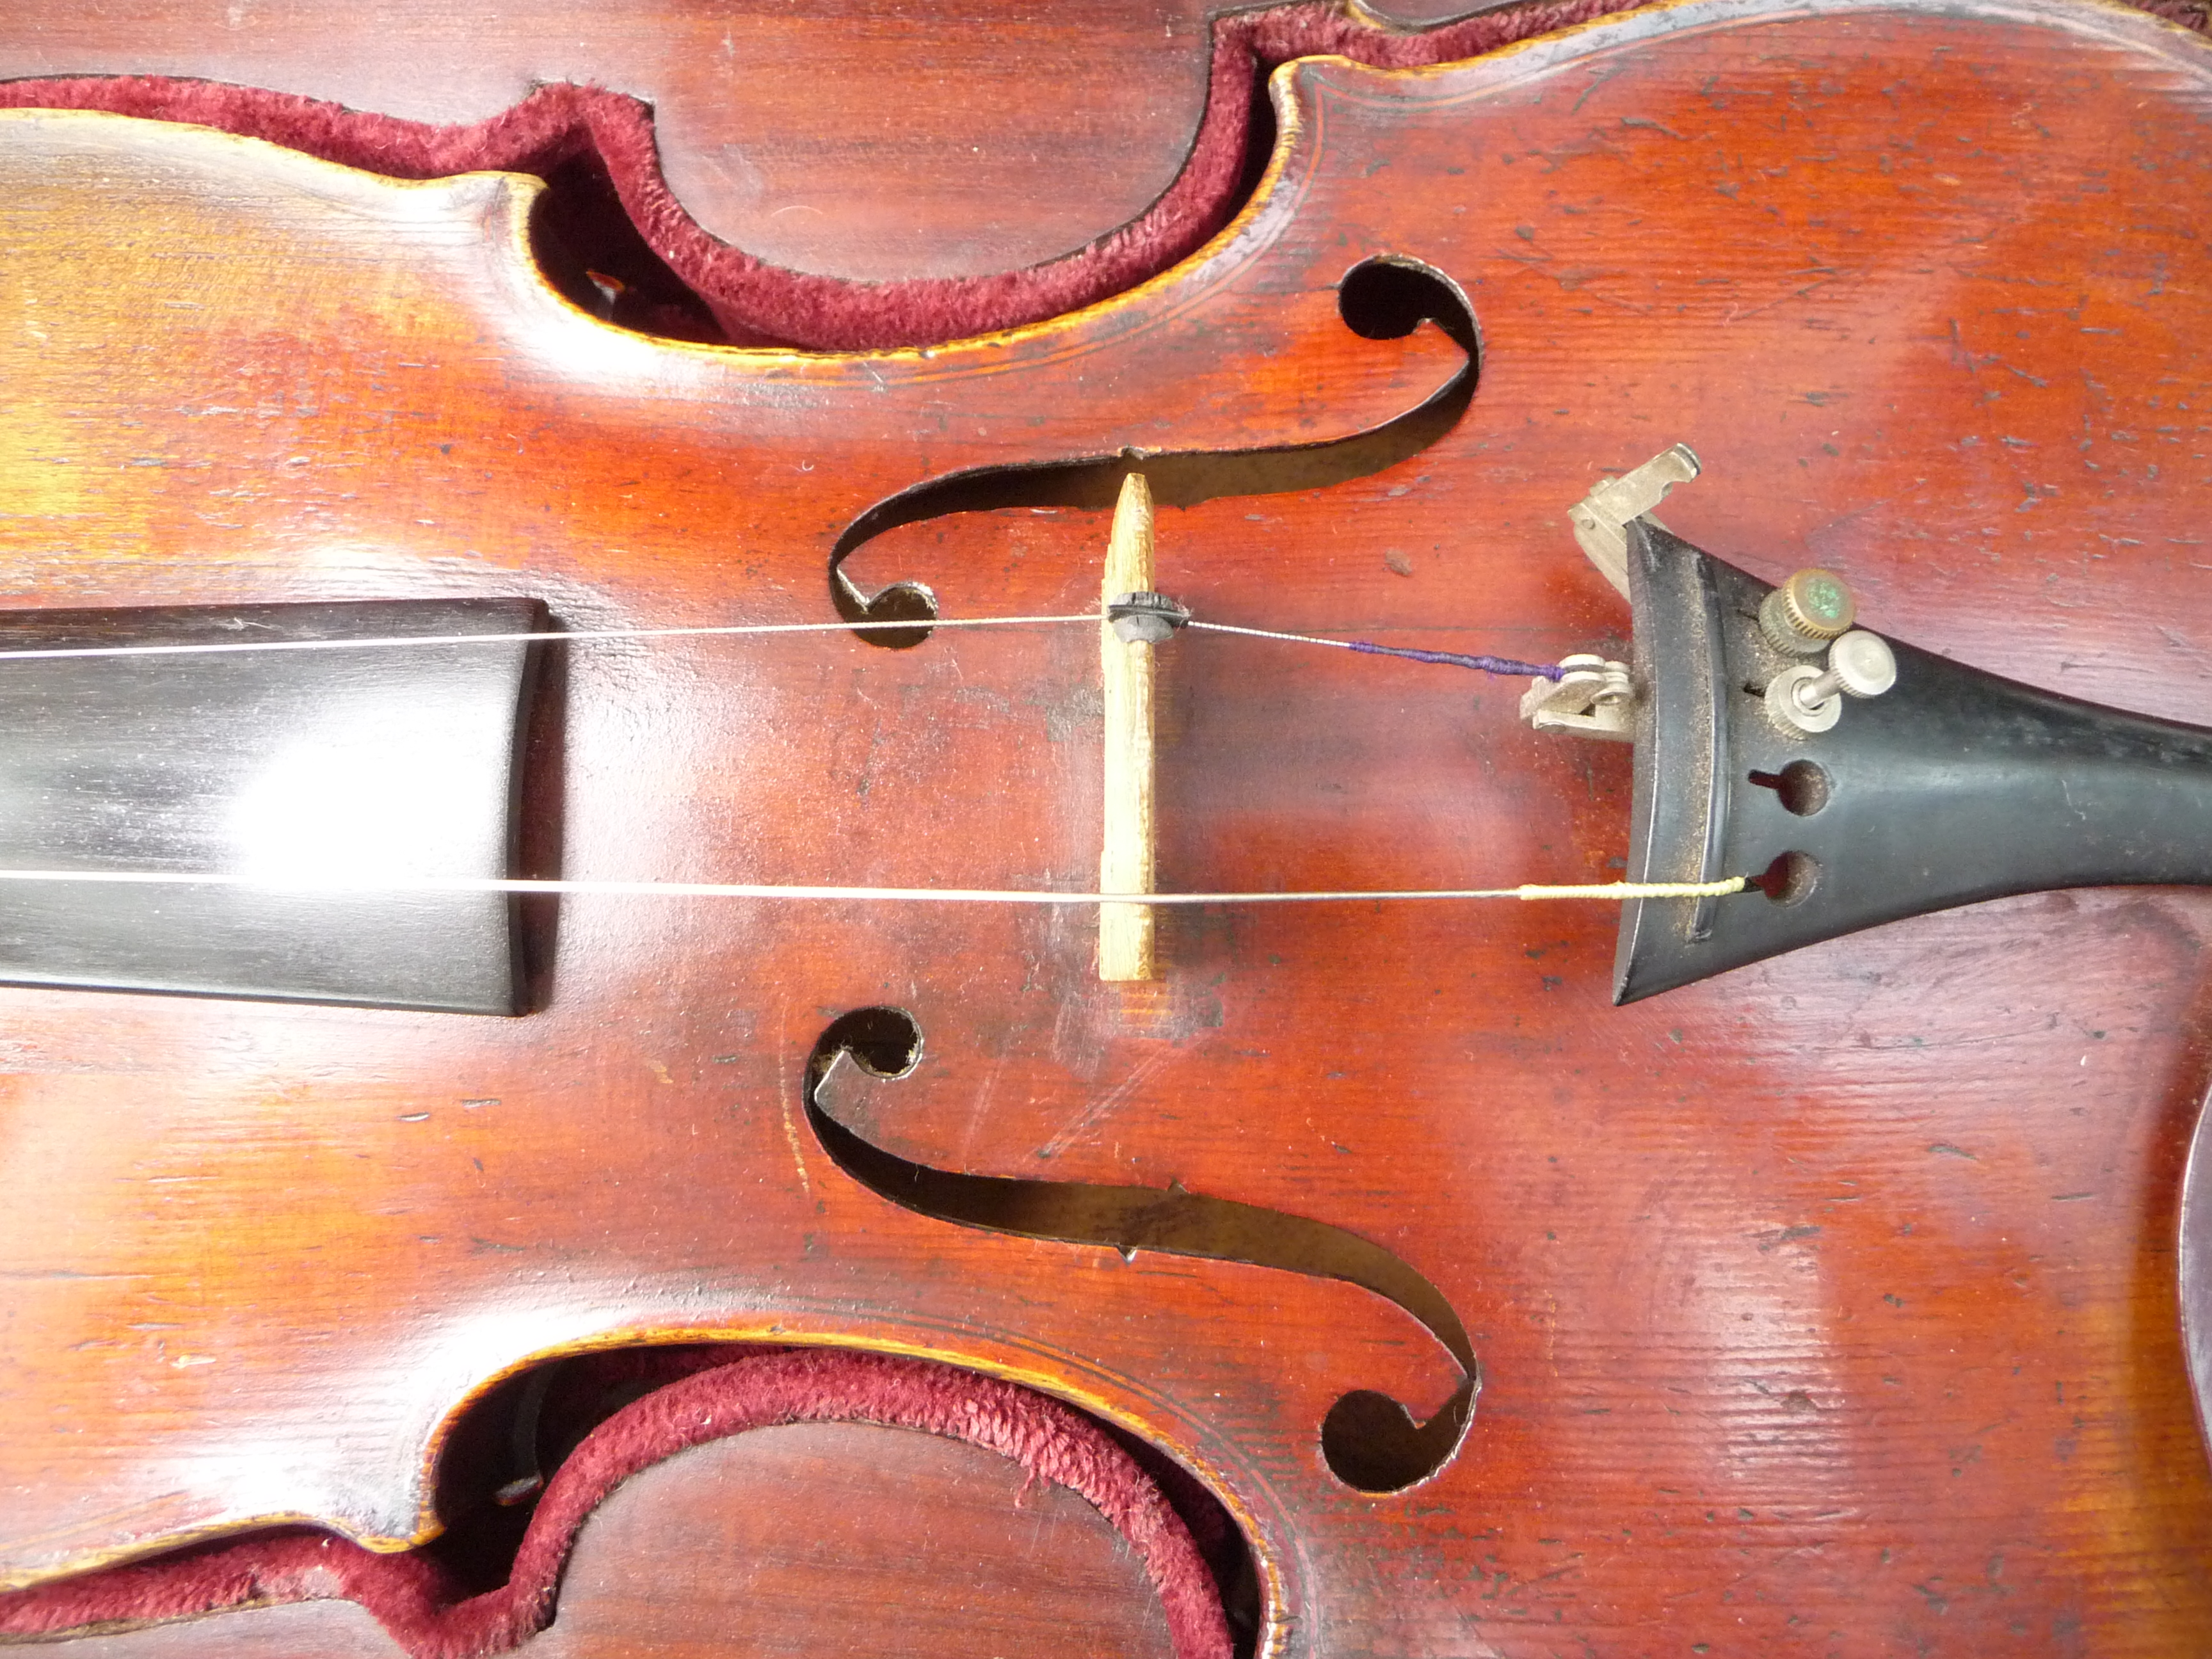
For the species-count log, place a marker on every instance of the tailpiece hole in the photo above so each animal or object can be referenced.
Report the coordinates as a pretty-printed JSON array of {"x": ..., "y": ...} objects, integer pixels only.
[
  {"x": 1803, "y": 786},
  {"x": 1790, "y": 878}
]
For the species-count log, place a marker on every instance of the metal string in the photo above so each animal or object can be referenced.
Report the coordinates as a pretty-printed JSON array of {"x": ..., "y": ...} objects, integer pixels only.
[
  {"x": 1507, "y": 666},
  {"x": 1487, "y": 664},
  {"x": 1607, "y": 891},
  {"x": 226, "y": 647},
  {"x": 373, "y": 884}
]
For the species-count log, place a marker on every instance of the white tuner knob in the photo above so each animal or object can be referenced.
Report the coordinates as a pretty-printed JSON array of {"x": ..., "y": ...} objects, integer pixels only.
[{"x": 1860, "y": 664}]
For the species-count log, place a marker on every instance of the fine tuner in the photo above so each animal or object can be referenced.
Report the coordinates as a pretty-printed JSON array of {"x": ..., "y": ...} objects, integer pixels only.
[
  {"x": 1812, "y": 699},
  {"x": 1746, "y": 761}
]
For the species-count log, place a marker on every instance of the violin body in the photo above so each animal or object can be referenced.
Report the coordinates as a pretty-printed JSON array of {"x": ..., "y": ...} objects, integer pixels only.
[{"x": 1824, "y": 1306}]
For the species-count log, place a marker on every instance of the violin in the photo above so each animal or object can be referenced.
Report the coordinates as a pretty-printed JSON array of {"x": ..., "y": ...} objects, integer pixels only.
[{"x": 1490, "y": 1310}]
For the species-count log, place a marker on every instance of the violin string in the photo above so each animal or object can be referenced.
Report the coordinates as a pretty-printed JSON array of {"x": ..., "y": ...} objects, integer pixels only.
[
  {"x": 1612, "y": 891},
  {"x": 1488, "y": 664},
  {"x": 382, "y": 640},
  {"x": 1622, "y": 891}
]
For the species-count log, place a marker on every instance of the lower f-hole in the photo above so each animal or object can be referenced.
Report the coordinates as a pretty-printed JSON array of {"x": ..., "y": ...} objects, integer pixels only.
[
  {"x": 1388, "y": 298},
  {"x": 1372, "y": 1444},
  {"x": 1369, "y": 1441},
  {"x": 1790, "y": 878},
  {"x": 1801, "y": 787}
]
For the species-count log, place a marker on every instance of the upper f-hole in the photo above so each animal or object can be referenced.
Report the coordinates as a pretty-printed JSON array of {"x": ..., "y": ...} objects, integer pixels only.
[
  {"x": 1378, "y": 299},
  {"x": 1386, "y": 298}
]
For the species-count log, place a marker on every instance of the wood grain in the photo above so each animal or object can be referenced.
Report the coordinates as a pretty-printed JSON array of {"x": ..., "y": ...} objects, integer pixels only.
[
  {"x": 304, "y": 1629},
  {"x": 905, "y": 1543},
  {"x": 1827, "y": 1307}
]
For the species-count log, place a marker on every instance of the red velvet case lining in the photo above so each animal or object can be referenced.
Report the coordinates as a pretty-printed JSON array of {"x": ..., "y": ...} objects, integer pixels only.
[
  {"x": 420, "y": 1606},
  {"x": 761, "y": 304}
]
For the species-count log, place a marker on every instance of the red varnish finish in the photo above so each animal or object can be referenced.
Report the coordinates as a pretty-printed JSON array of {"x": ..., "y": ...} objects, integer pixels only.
[{"x": 1826, "y": 1307}]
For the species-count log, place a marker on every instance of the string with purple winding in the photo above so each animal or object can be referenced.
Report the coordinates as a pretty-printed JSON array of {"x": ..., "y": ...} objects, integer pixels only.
[{"x": 1487, "y": 664}]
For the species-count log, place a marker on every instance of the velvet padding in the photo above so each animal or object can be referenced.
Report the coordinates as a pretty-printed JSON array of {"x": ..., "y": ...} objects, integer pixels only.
[
  {"x": 415, "y": 1602},
  {"x": 760, "y": 303}
]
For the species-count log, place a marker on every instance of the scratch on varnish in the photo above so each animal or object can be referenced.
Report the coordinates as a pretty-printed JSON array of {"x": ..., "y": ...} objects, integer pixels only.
[
  {"x": 1738, "y": 314},
  {"x": 1080, "y": 1126},
  {"x": 784, "y": 1097},
  {"x": 783, "y": 1093},
  {"x": 798, "y": 1151}
]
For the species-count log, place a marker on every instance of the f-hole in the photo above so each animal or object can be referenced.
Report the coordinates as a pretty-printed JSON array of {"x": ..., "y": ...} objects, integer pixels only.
[
  {"x": 885, "y": 1041},
  {"x": 1388, "y": 298},
  {"x": 1369, "y": 1441},
  {"x": 1381, "y": 299}
]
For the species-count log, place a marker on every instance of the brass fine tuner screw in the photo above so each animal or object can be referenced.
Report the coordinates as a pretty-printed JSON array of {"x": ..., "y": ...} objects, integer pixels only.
[{"x": 1811, "y": 608}]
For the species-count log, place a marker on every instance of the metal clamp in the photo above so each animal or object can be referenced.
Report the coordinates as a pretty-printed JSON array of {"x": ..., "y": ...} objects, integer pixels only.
[
  {"x": 1595, "y": 697},
  {"x": 1602, "y": 517},
  {"x": 1144, "y": 618}
]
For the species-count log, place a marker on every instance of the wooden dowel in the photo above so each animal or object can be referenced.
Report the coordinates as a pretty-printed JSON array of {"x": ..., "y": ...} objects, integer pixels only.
[{"x": 1125, "y": 863}]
